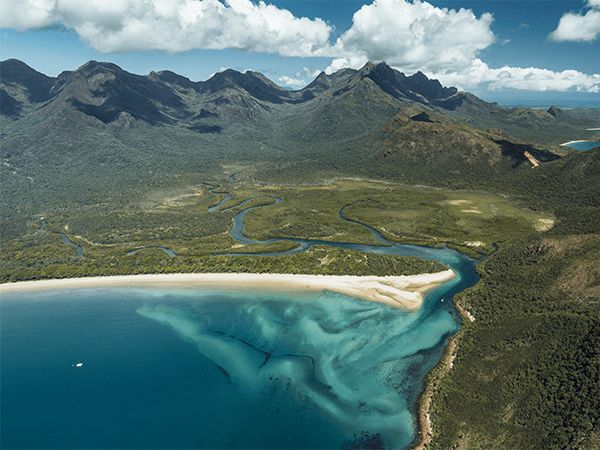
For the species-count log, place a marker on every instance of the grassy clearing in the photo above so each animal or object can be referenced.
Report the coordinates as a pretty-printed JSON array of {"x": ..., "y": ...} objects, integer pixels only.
[
  {"x": 306, "y": 213},
  {"x": 427, "y": 216},
  {"x": 465, "y": 220}
]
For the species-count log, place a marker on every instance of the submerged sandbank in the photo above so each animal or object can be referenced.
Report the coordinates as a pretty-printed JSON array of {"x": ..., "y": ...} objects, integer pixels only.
[{"x": 400, "y": 291}]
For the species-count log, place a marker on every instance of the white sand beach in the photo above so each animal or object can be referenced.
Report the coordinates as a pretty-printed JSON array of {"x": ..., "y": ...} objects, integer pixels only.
[{"x": 400, "y": 291}]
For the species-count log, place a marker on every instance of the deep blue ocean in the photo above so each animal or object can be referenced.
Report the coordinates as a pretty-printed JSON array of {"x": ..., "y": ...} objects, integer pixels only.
[{"x": 210, "y": 369}]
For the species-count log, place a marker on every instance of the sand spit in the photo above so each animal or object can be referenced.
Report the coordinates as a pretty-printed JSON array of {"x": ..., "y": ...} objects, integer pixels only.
[{"x": 400, "y": 291}]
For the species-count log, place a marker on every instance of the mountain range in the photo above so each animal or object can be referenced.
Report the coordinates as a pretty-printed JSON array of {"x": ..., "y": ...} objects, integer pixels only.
[
  {"x": 99, "y": 127},
  {"x": 231, "y": 99}
]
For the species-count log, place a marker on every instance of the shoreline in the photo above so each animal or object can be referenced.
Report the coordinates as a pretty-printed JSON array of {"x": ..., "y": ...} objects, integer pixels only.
[
  {"x": 425, "y": 431},
  {"x": 435, "y": 376},
  {"x": 572, "y": 142},
  {"x": 405, "y": 291}
]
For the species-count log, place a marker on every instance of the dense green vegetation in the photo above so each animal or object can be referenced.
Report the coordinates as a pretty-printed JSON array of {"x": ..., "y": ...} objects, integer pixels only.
[
  {"x": 62, "y": 263},
  {"x": 527, "y": 370},
  {"x": 466, "y": 220}
]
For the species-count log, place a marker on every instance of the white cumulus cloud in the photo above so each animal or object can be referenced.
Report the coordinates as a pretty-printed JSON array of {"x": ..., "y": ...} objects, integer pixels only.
[
  {"x": 413, "y": 36},
  {"x": 25, "y": 14},
  {"x": 293, "y": 82},
  {"x": 174, "y": 25},
  {"x": 311, "y": 73},
  {"x": 409, "y": 35},
  {"x": 578, "y": 27},
  {"x": 531, "y": 79},
  {"x": 444, "y": 44},
  {"x": 594, "y": 3}
]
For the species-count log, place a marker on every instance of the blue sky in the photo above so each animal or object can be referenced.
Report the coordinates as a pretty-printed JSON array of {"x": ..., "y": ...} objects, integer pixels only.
[{"x": 513, "y": 52}]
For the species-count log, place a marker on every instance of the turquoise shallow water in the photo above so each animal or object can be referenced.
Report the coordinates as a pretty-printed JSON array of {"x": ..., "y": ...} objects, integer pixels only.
[
  {"x": 583, "y": 145},
  {"x": 208, "y": 369}
]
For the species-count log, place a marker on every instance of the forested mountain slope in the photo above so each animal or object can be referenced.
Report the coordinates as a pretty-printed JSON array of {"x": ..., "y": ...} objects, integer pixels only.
[
  {"x": 420, "y": 149},
  {"x": 526, "y": 370},
  {"x": 232, "y": 108}
]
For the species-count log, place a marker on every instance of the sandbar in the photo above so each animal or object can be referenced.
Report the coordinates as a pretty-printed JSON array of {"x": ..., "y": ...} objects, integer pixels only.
[{"x": 400, "y": 291}]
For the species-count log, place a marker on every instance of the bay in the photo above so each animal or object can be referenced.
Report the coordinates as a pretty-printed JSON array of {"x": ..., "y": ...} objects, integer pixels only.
[
  {"x": 211, "y": 369},
  {"x": 168, "y": 368}
]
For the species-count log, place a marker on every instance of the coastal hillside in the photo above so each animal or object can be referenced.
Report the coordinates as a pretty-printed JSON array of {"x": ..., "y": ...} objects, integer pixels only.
[{"x": 420, "y": 148}]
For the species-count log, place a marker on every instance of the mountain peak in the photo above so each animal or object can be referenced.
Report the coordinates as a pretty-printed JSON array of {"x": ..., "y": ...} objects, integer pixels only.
[
  {"x": 369, "y": 65},
  {"x": 378, "y": 68},
  {"x": 335, "y": 81},
  {"x": 171, "y": 78},
  {"x": 254, "y": 83},
  {"x": 417, "y": 88},
  {"x": 95, "y": 66},
  {"x": 554, "y": 111},
  {"x": 420, "y": 76},
  {"x": 35, "y": 86},
  {"x": 13, "y": 64},
  {"x": 13, "y": 70},
  {"x": 221, "y": 80}
]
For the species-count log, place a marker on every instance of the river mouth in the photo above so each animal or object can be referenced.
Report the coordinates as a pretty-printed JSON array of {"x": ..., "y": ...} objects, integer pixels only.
[
  {"x": 461, "y": 264},
  {"x": 321, "y": 369}
]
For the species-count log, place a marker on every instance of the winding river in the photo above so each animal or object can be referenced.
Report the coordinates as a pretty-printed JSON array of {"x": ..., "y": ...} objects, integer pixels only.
[
  {"x": 65, "y": 240},
  {"x": 461, "y": 264}
]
